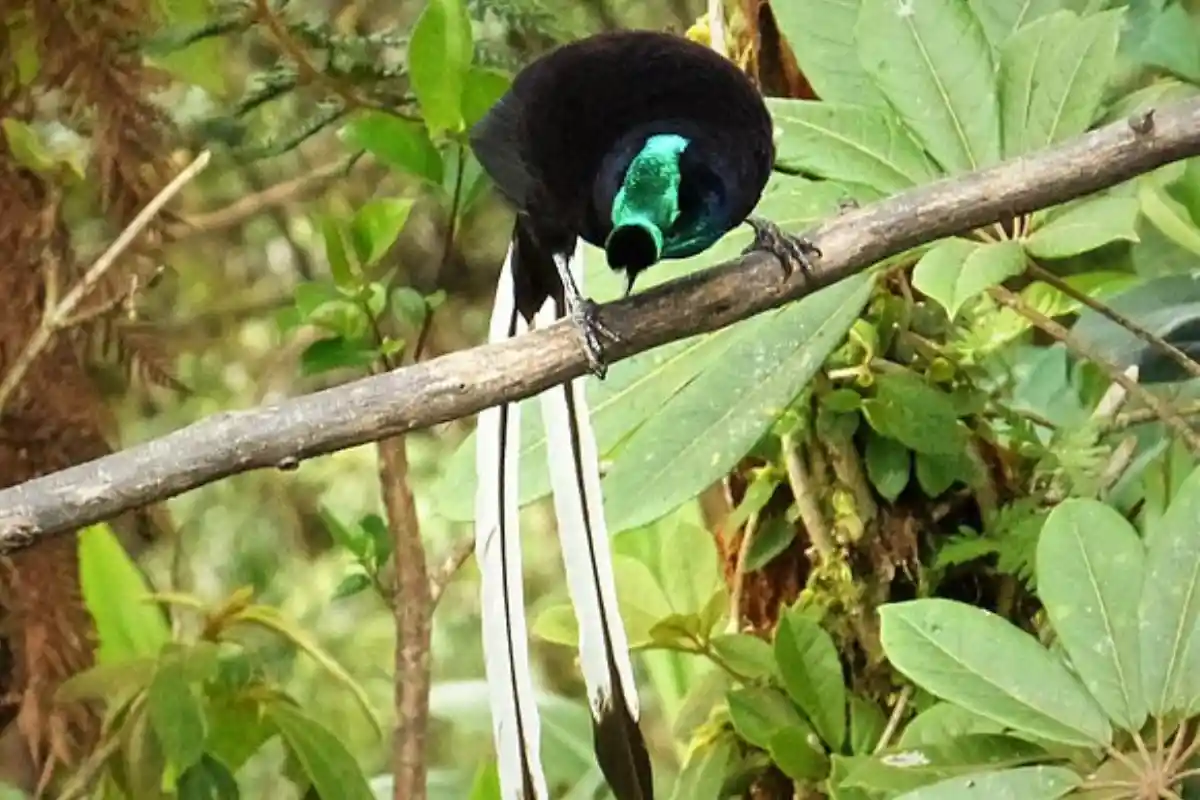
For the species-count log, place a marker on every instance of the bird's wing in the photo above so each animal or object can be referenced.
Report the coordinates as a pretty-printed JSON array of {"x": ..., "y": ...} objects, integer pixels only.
[
  {"x": 583, "y": 536},
  {"x": 515, "y": 725}
]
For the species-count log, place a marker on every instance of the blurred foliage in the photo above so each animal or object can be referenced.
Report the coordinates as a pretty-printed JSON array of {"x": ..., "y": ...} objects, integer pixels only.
[{"x": 901, "y": 443}]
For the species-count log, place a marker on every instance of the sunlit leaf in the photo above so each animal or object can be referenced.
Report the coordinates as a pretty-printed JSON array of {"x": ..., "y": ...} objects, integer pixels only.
[
  {"x": 957, "y": 270},
  {"x": 117, "y": 596},
  {"x": 1090, "y": 563},
  {"x": 439, "y": 57},
  {"x": 1085, "y": 226},
  {"x": 322, "y": 754},
  {"x": 1053, "y": 74},
  {"x": 821, "y": 34},
  {"x": 812, "y": 673},
  {"x": 1025, "y": 783},
  {"x": 981, "y": 662},
  {"x": 931, "y": 60},
  {"x": 400, "y": 143}
]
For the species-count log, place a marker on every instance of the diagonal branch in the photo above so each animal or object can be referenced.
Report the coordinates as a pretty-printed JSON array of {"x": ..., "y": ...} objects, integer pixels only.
[{"x": 458, "y": 384}]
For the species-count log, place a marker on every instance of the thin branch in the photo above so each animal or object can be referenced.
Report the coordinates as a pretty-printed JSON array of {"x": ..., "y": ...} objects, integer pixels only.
[
  {"x": 1178, "y": 356},
  {"x": 1049, "y": 326},
  {"x": 251, "y": 205},
  {"x": 455, "y": 560},
  {"x": 462, "y": 383},
  {"x": 62, "y": 315}
]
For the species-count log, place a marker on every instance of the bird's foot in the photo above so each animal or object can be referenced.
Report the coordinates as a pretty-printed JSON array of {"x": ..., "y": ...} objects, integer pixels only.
[
  {"x": 792, "y": 251},
  {"x": 585, "y": 313}
]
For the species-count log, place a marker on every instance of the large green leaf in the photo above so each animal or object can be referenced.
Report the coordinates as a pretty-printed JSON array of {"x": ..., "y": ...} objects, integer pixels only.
[
  {"x": 849, "y": 143},
  {"x": 944, "y": 722},
  {"x": 402, "y": 144},
  {"x": 705, "y": 770},
  {"x": 956, "y": 270},
  {"x": 1085, "y": 226},
  {"x": 1052, "y": 77},
  {"x": 1093, "y": 569},
  {"x": 1025, "y": 783},
  {"x": 1000, "y": 18},
  {"x": 901, "y": 770},
  {"x": 177, "y": 713},
  {"x": 117, "y": 596},
  {"x": 1170, "y": 606},
  {"x": 1090, "y": 563},
  {"x": 439, "y": 58},
  {"x": 932, "y": 62},
  {"x": 812, "y": 674},
  {"x": 919, "y": 416},
  {"x": 701, "y": 432},
  {"x": 981, "y": 662},
  {"x": 324, "y": 758},
  {"x": 638, "y": 389},
  {"x": 758, "y": 713},
  {"x": 821, "y": 33}
]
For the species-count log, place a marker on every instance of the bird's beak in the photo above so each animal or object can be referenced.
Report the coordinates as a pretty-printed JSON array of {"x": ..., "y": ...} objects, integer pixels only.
[{"x": 630, "y": 276}]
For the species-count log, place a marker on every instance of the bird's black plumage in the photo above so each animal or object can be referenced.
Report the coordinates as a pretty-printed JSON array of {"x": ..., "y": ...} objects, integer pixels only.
[
  {"x": 559, "y": 143},
  {"x": 650, "y": 146}
]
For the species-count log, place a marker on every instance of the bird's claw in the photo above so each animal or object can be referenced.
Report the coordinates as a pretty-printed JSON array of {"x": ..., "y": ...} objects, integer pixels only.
[
  {"x": 792, "y": 251},
  {"x": 586, "y": 315}
]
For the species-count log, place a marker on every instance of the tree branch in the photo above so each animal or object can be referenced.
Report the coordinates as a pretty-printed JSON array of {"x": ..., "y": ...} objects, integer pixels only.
[{"x": 461, "y": 383}]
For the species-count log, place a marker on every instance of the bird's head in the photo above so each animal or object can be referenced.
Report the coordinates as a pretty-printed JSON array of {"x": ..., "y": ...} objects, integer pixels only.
[{"x": 669, "y": 205}]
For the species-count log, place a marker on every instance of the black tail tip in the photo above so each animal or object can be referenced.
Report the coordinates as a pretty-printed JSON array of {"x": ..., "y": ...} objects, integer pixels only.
[
  {"x": 622, "y": 755},
  {"x": 633, "y": 247}
]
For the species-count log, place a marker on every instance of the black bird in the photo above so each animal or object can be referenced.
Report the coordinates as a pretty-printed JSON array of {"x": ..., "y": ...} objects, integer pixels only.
[{"x": 650, "y": 146}]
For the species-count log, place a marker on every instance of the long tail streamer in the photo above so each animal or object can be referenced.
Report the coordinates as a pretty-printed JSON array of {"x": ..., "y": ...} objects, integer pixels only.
[
  {"x": 516, "y": 727},
  {"x": 587, "y": 559}
]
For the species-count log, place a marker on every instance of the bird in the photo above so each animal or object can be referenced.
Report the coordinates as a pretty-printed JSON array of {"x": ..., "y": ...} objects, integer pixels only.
[{"x": 651, "y": 147}]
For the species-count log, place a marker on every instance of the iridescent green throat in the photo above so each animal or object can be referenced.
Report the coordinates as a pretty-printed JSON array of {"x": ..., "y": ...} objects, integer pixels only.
[{"x": 647, "y": 204}]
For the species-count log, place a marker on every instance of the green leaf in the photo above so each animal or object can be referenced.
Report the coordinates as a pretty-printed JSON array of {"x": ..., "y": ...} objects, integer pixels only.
[
  {"x": 821, "y": 33},
  {"x": 108, "y": 681},
  {"x": 797, "y": 752},
  {"x": 1025, "y": 783},
  {"x": 439, "y": 57},
  {"x": 711, "y": 423},
  {"x": 482, "y": 89},
  {"x": 486, "y": 785},
  {"x": 1052, "y": 78},
  {"x": 1170, "y": 606},
  {"x": 376, "y": 227},
  {"x": 400, "y": 143},
  {"x": 978, "y": 660},
  {"x": 758, "y": 713},
  {"x": 919, "y": 416},
  {"x": 705, "y": 770},
  {"x": 748, "y": 656},
  {"x": 901, "y": 770},
  {"x": 889, "y": 465},
  {"x": 812, "y": 674},
  {"x": 353, "y": 539},
  {"x": 955, "y": 270},
  {"x": 117, "y": 596},
  {"x": 937, "y": 472},
  {"x": 849, "y": 143},
  {"x": 335, "y": 252},
  {"x": 1090, "y": 563},
  {"x": 176, "y": 714},
  {"x": 1085, "y": 226},
  {"x": 933, "y": 63},
  {"x": 1172, "y": 42},
  {"x": 352, "y": 584},
  {"x": 772, "y": 538},
  {"x": 335, "y": 352},
  {"x": 944, "y": 722},
  {"x": 1001, "y": 19},
  {"x": 867, "y": 724},
  {"x": 208, "y": 779},
  {"x": 26, "y": 146},
  {"x": 321, "y": 753},
  {"x": 1169, "y": 216},
  {"x": 237, "y": 729}
]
